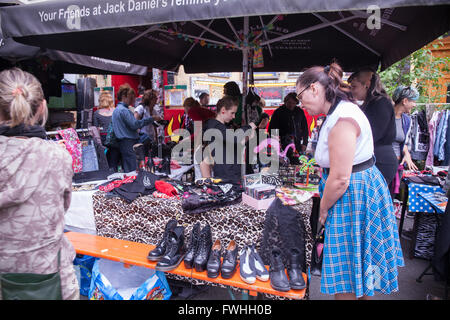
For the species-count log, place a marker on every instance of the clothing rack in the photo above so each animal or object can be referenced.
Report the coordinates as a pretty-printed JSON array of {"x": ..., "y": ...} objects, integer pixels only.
[{"x": 52, "y": 133}]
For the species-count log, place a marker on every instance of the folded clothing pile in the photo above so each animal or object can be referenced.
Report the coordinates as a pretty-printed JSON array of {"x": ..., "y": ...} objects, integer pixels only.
[
  {"x": 143, "y": 184},
  {"x": 210, "y": 196}
]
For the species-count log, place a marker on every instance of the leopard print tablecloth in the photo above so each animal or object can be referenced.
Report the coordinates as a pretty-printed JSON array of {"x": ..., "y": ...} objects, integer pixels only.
[{"x": 144, "y": 220}]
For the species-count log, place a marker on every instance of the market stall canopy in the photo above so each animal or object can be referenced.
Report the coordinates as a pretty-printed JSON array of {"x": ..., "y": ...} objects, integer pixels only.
[
  {"x": 211, "y": 35},
  {"x": 72, "y": 63}
]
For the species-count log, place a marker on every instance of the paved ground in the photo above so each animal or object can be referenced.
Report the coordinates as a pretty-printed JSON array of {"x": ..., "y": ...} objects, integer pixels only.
[{"x": 409, "y": 288}]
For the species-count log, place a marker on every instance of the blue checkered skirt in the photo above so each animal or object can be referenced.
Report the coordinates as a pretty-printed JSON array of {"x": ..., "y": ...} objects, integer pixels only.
[{"x": 361, "y": 247}]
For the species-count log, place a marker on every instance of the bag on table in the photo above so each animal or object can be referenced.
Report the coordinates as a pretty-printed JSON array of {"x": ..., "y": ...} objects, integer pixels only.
[
  {"x": 31, "y": 286},
  {"x": 111, "y": 280}
]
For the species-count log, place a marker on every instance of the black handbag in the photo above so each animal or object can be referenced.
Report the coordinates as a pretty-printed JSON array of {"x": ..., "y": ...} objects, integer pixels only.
[
  {"x": 317, "y": 253},
  {"x": 31, "y": 286}
]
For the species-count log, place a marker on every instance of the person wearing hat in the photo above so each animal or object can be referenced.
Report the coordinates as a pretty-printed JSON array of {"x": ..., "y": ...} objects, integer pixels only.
[
  {"x": 404, "y": 101},
  {"x": 291, "y": 122}
]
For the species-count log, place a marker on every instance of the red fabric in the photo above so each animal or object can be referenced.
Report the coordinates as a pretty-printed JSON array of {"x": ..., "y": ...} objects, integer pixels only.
[
  {"x": 116, "y": 183},
  {"x": 165, "y": 188},
  {"x": 173, "y": 164},
  {"x": 201, "y": 114}
]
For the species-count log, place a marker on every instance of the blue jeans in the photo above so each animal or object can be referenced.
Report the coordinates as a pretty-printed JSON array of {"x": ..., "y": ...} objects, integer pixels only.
[{"x": 128, "y": 154}]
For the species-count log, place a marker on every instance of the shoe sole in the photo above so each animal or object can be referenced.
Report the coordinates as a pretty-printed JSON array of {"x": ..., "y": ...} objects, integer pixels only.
[
  {"x": 283, "y": 289},
  {"x": 169, "y": 268},
  {"x": 264, "y": 279},
  {"x": 213, "y": 275},
  {"x": 188, "y": 265},
  {"x": 246, "y": 280},
  {"x": 154, "y": 258},
  {"x": 199, "y": 267},
  {"x": 299, "y": 287},
  {"x": 228, "y": 275}
]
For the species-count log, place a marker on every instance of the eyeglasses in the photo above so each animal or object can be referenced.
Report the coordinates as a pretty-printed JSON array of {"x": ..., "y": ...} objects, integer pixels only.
[{"x": 299, "y": 96}]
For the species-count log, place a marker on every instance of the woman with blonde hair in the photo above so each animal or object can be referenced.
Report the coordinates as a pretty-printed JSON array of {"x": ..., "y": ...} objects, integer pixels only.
[
  {"x": 35, "y": 188},
  {"x": 102, "y": 119}
]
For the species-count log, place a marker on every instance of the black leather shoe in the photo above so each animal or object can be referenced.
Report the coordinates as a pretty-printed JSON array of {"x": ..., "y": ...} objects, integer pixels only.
[
  {"x": 175, "y": 250},
  {"x": 213, "y": 265},
  {"x": 278, "y": 278},
  {"x": 157, "y": 253},
  {"x": 294, "y": 269},
  {"x": 230, "y": 260},
  {"x": 192, "y": 248},
  {"x": 203, "y": 250}
]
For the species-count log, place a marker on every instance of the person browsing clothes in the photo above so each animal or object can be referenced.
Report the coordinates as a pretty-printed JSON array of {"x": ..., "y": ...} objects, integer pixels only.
[
  {"x": 362, "y": 250},
  {"x": 126, "y": 126},
  {"x": 377, "y": 106}
]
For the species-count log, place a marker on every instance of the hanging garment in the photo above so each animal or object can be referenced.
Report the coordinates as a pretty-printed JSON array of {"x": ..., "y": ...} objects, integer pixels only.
[
  {"x": 437, "y": 141},
  {"x": 419, "y": 135},
  {"x": 432, "y": 126},
  {"x": 447, "y": 144},
  {"x": 73, "y": 145},
  {"x": 443, "y": 137},
  {"x": 89, "y": 157},
  {"x": 284, "y": 229}
]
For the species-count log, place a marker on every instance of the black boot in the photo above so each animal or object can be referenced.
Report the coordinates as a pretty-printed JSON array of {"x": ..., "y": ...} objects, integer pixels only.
[
  {"x": 203, "y": 250},
  {"x": 175, "y": 250},
  {"x": 213, "y": 265},
  {"x": 192, "y": 248},
  {"x": 278, "y": 278},
  {"x": 160, "y": 249},
  {"x": 230, "y": 260},
  {"x": 294, "y": 269}
]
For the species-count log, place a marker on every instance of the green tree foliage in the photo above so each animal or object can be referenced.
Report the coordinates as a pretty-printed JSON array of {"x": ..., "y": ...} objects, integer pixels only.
[{"x": 420, "y": 69}]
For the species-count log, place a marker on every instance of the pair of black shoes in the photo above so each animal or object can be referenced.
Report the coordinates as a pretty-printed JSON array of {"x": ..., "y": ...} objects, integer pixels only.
[
  {"x": 171, "y": 250},
  {"x": 199, "y": 248},
  {"x": 278, "y": 278},
  {"x": 228, "y": 267}
]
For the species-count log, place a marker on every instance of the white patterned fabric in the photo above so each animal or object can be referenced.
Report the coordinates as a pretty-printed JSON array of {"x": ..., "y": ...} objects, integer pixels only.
[{"x": 35, "y": 192}]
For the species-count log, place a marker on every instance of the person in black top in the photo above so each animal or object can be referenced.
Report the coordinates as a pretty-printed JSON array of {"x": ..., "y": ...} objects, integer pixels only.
[
  {"x": 101, "y": 119},
  {"x": 291, "y": 122},
  {"x": 366, "y": 86},
  {"x": 224, "y": 166}
]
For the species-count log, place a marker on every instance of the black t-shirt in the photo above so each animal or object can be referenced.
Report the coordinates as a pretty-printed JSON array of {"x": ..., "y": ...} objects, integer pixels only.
[
  {"x": 228, "y": 167},
  {"x": 290, "y": 123}
]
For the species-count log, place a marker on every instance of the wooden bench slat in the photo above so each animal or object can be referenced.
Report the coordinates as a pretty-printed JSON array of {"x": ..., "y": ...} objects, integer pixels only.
[{"x": 134, "y": 253}]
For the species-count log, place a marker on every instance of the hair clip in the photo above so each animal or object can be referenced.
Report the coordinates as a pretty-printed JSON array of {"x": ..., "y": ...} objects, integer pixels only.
[
  {"x": 17, "y": 91},
  {"x": 326, "y": 69}
]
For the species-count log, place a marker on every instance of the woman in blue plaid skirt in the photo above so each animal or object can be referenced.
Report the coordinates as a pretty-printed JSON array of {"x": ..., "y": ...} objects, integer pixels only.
[{"x": 362, "y": 250}]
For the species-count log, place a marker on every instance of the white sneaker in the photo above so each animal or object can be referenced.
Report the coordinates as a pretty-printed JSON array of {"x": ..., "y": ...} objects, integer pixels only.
[
  {"x": 261, "y": 271},
  {"x": 246, "y": 266}
]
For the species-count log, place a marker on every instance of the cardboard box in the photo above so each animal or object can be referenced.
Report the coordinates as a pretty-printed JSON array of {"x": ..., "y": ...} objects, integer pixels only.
[{"x": 257, "y": 204}]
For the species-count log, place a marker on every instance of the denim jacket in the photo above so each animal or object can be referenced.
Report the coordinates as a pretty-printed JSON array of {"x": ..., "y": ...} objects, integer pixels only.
[{"x": 125, "y": 125}]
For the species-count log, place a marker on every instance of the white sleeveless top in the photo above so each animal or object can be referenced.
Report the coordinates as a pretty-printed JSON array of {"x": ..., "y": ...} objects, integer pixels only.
[{"x": 364, "y": 143}]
